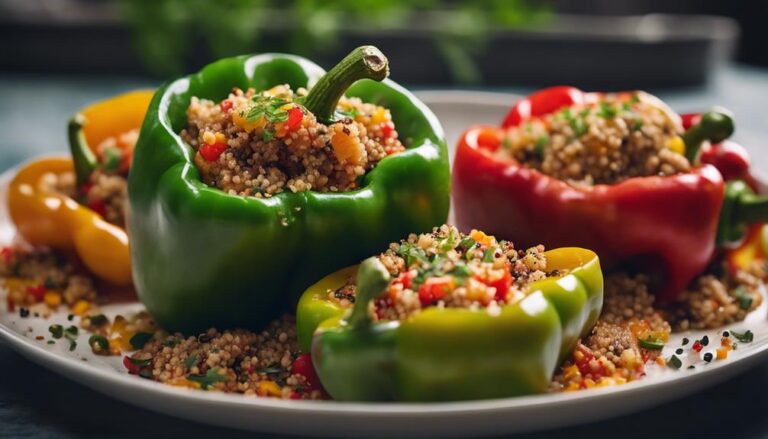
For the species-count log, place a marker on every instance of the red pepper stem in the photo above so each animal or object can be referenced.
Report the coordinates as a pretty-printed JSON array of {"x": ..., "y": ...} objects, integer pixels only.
[
  {"x": 84, "y": 159},
  {"x": 365, "y": 62},
  {"x": 372, "y": 281},
  {"x": 714, "y": 126}
]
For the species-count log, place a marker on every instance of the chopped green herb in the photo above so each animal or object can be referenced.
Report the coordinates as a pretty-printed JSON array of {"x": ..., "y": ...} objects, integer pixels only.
[
  {"x": 607, "y": 111},
  {"x": 674, "y": 362},
  {"x": 51, "y": 342},
  {"x": 56, "y": 331},
  {"x": 634, "y": 99},
  {"x": 268, "y": 135},
  {"x": 488, "y": 255},
  {"x": 744, "y": 337},
  {"x": 210, "y": 378},
  {"x": 651, "y": 344},
  {"x": 171, "y": 342},
  {"x": 113, "y": 157},
  {"x": 98, "y": 320},
  {"x": 72, "y": 345},
  {"x": 448, "y": 243},
  {"x": 579, "y": 127},
  {"x": 141, "y": 362},
  {"x": 744, "y": 298},
  {"x": 269, "y": 108},
  {"x": 140, "y": 339},
  {"x": 191, "y": 361},
  {"x": 411, "y": 253},
  {"x": 467, "y": 243},
  {"x": 461, "y": 271},
  {"x": 71, "y": 333},
  {"x": 271, "y": 370},
  {"x": 637, "y": 125},
  {"x": 98, "y": 343},
  {"x": 349, "y": 113}
]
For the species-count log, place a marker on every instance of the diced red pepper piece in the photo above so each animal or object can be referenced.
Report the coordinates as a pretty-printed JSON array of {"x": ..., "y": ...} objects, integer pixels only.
[
  {"x": 226, "y": 106},
  {"x": 295, "y": 116},
  {"x": 434, "y": 289},
  {"x": 697, "y": 346},
  {"x": 502, "y": 286},
  {"x": 405, "y": 278},
  {"x": 133, "y": 369},
  {"x": 488, "y": 139},
  {"x": 386, "y": 130},
  {"x": 98, "y": 206},
  {"x": 37, "y": 292},
  {"x": 212, "y": 153},
  {"x": 303, "y": 366}
]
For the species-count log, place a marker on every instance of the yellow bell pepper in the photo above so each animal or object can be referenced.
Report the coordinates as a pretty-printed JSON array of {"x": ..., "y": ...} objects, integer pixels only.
[{"x": 44, "y": 217}]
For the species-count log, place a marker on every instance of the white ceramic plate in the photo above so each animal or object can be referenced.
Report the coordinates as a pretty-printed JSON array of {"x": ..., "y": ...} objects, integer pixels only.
[{"x": 456, "y": 110}]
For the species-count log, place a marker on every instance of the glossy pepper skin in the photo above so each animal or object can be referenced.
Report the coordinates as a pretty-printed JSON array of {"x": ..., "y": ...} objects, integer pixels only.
[
  {"x": 451, "y": 354},
  {"x": 206, "y": 258},
  {"x": 52, "y": 219},
  {"x": 666, "y": 225}
]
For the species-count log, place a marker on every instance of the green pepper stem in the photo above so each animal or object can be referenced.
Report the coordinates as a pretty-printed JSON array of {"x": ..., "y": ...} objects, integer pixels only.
[
  {"x": 750, "y": 209},
  {"x": 82, "y": 156},
  {"x": 363, "y": 62},
  {"x": 715, "y": 126},
  {"x": 372, "y": 281}
]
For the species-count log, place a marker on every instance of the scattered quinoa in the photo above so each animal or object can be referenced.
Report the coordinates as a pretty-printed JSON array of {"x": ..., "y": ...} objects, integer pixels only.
[
  {"x": 44, "y": 279},
  {"x": 268, "y": 363},
  {"x": 107, "y": 189},
  {"x": 617, "y": 137},
  {"x": 448, "y": 269},
  {"x": 261, "y": 144}
]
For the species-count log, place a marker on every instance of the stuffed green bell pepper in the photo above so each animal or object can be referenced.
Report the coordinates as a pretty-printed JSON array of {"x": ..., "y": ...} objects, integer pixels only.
[
  {"x": 238, "y": 206},
  {"x": 443, "y": 316}
]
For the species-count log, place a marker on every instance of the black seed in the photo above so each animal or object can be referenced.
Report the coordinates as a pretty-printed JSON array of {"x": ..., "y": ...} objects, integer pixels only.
[
  {"x": 23, "y": 313},
  {"x": 708, "y": 357},
  {"x": 685, "y": 341},
  {"x": 679, "y": 351},
  {"x": 691, "y": 367},
  {"x": 705, "y": 341},
  {"x": 726, "y": 334}
]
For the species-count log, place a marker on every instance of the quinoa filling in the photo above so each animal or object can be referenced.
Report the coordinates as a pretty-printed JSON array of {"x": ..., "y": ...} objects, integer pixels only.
[
  {"x": 106, "y": 192},
  {"x": 261, "y": 144},
  {"x": 448, "y": 269},
  {"x": 620, "y": 136}
]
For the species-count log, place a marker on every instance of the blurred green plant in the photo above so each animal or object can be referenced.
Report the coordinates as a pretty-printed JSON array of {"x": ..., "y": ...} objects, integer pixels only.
[{"x": 167, "y": 32}]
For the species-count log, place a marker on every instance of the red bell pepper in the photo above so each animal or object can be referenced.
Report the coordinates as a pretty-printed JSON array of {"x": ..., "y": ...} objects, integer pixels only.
[{"x": 665, "y": 225}]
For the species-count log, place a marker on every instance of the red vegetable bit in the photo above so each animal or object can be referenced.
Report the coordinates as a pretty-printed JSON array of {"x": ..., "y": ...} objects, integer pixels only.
[
  {"x": 226, "y": 106},
  {"x": 85, "y": 188},
  {"x": 10, "y": 304},
  {"x": 488, "y": 139},
  {"x": 37, "y": 291},
  {"x": 133, "y": 369},
  {"x": 212, "y": 153},
  {"x": 697, "y": 346},
  {"x": 7, "y": 254},
  {"x": 386, "y": 130},
  {"x": 433, "y": 289},
  {"x": 380, "y": 306},
  {"x": 502, "y": 286},
  {"x": 295, "y": 116},
  {"x": 690, "y": 119},
  {"x": 303, "y": 366},
  {"x": 406, "y": 278},
  {"x": 98, "y": 206},
  {"x": 295, "y": 395}
]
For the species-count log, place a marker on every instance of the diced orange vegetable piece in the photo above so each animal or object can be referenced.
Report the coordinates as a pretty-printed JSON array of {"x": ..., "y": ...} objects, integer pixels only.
[
  {"x": 722, "y": 353},
  {"x": 52, "y": 298},
  {"x": 268, "y": 388},
  {"x": 348, "y": 148},
  {"x": 81, "y": 307}
]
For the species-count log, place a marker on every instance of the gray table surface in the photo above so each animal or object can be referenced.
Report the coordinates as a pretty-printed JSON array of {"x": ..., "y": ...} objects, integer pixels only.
[{"x": 35, "y": 402}]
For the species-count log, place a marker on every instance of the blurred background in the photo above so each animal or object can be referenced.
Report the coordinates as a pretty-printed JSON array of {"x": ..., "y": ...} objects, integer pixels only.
[{"x": 605, "y": 43}]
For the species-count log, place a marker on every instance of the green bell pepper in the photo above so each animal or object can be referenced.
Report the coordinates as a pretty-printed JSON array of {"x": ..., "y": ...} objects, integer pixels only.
[
  {"x": 448, "y": 354},
  {"x": 202, "y": 257}
]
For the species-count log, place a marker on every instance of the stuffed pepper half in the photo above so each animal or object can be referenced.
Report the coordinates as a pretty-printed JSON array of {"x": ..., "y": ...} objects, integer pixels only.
[{"x": 444, "y": 316}]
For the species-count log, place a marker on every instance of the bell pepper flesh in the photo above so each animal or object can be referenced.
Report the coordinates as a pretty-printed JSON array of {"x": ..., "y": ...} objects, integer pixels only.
[
  {"x": 55, "y": 220},
  {"x": 453, "y": 354},
  {"x": 203, "y": 257}
]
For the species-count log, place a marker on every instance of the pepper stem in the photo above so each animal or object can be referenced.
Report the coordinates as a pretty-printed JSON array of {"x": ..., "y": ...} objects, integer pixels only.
[
  {"x": 363, "y": 62},
  {"x": 741, "y": 208},
  {"x": 82, "y": 156},
  {"x": 715, "y": 126},
  {"x": 372, "y": 281}
]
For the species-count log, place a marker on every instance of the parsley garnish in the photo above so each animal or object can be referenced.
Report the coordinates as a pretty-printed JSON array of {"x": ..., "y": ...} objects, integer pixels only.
[
  {"x": 744, "y": 337},
  {"x": 140, "y": 339},
  {"x": 191, "y": 361},
  {"x": 488, "y": 255},
  {"x": 411, "y": 253},
  {"x": 745, "y": 300},
  {"x": 269, "y": 108},
  {"x": 541, "y": 144},
  {"x": 210, "y": 378},
  {"x": 56, "y": 331},
  {"x": 606, "y": 111}
]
